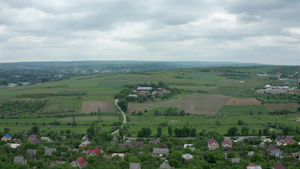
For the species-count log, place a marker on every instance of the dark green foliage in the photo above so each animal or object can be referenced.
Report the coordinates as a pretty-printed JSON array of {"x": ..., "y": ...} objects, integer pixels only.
[
  {"x": 240, "y": 122},
  {"x": 145, "y": 132},
  {"x": 170, "y": 130},
  {"x": 16, "y": 107},
  {"x": 159, "y": 132},
  {"x": 35, "y": 129},
  {"x": 123, "y": 104},
  {"x": 232, "y": 131}
]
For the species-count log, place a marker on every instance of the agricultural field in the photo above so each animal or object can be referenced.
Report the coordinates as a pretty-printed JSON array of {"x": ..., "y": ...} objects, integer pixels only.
[
  {"x": 213, "y": 98},
  {"x": 290, "y": 106},
  {"x": 97, "y": 106},
  {"x": 242, "y": 101}
]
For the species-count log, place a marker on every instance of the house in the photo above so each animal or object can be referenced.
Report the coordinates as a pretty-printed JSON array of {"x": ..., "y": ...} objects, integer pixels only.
[
  {"x": 32, "y": 139},
  {"x": 133, "y": 95},
  {"x": 156, "y": 141},
  {"x": 121, "y": 145},
  {"x": 135, "y": 166},
  {"x": 115, "y": 139},
  {"x": 25, "y": 134},
  {"x": 267, "y": 140},
  {"x": 60, "y": 162},
  {"x": 12, "y": 145},
  {"x": 227, "y": 145},
  {"x": 271, "y": 148},
  {"x": 138, "y": 144},
  {"x": 279, "y": 139},
  {"x": 252, "y": 166},
  {"x": 20, "y": 160},
  {"x": 144, "y": 88},
  {"x": 121, "y": 155},
  {"x": 262, "y": 145},
  {"x": 279, "y": 166},
  {"x": 159, "y": 91},
  {"x": 95, "y": 151},
  {"x": 46, "y": 139},
  {"x": 85, "y": 143},
  {"x": 289, "y": 141},
  {"x": 296, "y": 155},
  {"x": 17, "y": 140},
  {"x": 31, "y": 152},
  {"x": 187, "y": 145},
  {"x": 250, "y": 154},
  {"x": 187, "y": 156},
  {"x": 235, "y": 160},
  {"x": 161, "y": 151},
  {"x": 85, "y": 137},
  {"x": 163, "y": 146},
  {"x": 276, "y": 153},
  {"x": 79, "y": 162},
  {"x": 165, "y": 165},
  {"x": 49, "y": 151},
  {"x": 212, "y": 144},
  {"x": 192, "y": 148},
  {"x": 84, "y": 152},
  {"x": 6, "y": 137},
  {"x": 227, "y": 139}
]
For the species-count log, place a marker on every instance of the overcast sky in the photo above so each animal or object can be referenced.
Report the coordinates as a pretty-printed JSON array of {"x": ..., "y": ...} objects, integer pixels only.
[{"x": 260, "y": 31}]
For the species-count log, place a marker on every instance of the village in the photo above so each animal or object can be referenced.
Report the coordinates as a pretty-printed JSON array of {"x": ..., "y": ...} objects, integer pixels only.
[{"x": 84, "y": 151}]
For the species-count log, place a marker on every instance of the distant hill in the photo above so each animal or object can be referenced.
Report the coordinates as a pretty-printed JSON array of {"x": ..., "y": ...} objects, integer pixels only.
[{"x": 131, "y": 65}]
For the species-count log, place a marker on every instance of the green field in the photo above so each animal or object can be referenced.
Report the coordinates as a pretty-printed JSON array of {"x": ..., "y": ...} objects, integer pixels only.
[{"x": 203, "y": 94}]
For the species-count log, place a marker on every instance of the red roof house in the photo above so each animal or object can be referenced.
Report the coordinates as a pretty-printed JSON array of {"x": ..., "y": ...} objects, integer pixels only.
[
  {"x": 95, "y": 151},
  {"x": 163, "y": 146},
  {"x": 227, "y": 144},
  {"x": 289, "y": 141},
  {"x": 212, "y": 144},
  {"x": 85, "y": 143},
  {"x": 279, "y": 166},
  {"x": 79, "y": 162},
  {"x": 271, "y": 148}
]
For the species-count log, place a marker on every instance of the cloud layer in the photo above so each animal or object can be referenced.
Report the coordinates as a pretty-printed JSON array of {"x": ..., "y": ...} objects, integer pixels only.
[{"x": 171, "y": 30}]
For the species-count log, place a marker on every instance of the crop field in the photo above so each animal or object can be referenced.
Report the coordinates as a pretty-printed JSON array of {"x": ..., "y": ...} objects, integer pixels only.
[
  {"x": 199, "y": 103},
  {"x": 243, "y": 101},
  {"x": 230, "y": 109},
  {"x": 278, "y": 106},
  {"x": 95, "y": 106},
  {"x": 224, "y": 103}
]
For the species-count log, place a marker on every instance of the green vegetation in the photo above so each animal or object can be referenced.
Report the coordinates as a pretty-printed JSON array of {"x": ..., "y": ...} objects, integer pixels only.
[{"x": 202, "y": 110}]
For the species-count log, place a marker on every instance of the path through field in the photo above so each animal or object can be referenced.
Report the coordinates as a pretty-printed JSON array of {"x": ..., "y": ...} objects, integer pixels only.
[{"x": 124, "y": 116}]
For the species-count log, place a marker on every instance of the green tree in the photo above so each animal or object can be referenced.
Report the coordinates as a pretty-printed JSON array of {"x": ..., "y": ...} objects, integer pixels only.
[
  {"x": 245, "y": 131},
  {"x": 240, "y": 122},
  {"x": 35, "y": 129},
  {"x": 232, "y": 131},
  {"x": 159, "y": 131},
  {"x": 170, "y": 130},
  {"x": 123, "y": 104}
]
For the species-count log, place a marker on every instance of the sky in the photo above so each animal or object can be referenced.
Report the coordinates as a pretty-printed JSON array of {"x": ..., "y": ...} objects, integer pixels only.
[{"x": 259, "y": 31}]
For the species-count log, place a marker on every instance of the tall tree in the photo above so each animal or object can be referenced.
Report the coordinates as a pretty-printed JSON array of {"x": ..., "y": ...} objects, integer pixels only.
[
  {"x": 170, "y": 130},
  {"x": 159, "y": 131}
]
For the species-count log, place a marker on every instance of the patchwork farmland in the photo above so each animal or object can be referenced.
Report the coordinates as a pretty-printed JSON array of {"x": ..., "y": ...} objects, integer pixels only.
[{"x": 207, "y": 97}]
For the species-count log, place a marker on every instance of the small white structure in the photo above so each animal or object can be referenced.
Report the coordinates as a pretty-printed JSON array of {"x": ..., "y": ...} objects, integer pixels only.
[
  {"x": 12, "y": 145},
  {"x": 187, "y": 145},
  {"x": 187, "y": 156}
]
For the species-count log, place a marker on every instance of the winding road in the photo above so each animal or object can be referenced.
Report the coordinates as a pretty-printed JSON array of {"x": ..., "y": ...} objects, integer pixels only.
[{"x": 124, "y": 116}]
